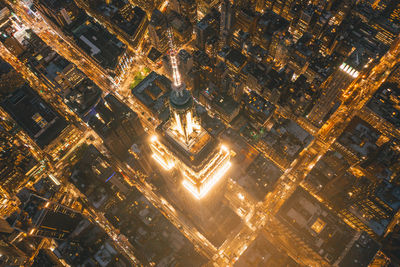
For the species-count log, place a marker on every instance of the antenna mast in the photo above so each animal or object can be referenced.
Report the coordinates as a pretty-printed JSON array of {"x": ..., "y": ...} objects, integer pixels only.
[{"x": 174, "y": 62}]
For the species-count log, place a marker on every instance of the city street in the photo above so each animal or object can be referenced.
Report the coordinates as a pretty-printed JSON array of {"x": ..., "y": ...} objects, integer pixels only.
[{"x": 257, "y": 217}]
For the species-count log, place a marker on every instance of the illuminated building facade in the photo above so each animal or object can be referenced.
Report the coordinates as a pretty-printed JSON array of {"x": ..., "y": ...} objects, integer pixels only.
[
  {"x": 61, "y": 13},
  {"x": 157, "y": 27},
  {"x": 45, "y": 126},
  {"x": 117, "y": 125},
  {"x": 334, "y": 87},
  {"x": 43, "y": 218},
  {"x": 182, "y": 144},
  {"x": 226, "y": 21},
  {"x": 16, "y": 162},
  {"x": 186, "y": 8}
]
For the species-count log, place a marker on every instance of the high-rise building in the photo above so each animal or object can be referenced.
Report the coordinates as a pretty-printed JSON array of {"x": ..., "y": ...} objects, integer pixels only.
[
  {"x": 271, "y": 29},
  {"x": 226, "y": 22},
  {"x": 10, "y": 255},
  {"x": 180, "y": 26},
  {"x": 187, "y": 8},
  {"x": 57, "y": 72},
  {"x": 393, "y": 10},
  {"x": 12, "y": 44},
  {"x": 185, "y": 62},
  {"x": 5, "y": 227},
  {"x": 42, "y": 217},
  {"x": 334, "y": 86},
  {"x": 9, "y": 78},
  {"x": 147, "y": 5},
  {"x": 93, "y": 38},
  {"x": 207, "y": 28},
  {"x": 319, "y": 229},
  {"x": 246, "y": 20},
  {"x": 61, "y": 12},
  {"x": 157, "y": 28},
  {"x": 129, "y": 22},
  {"x": 16, "y": 162},
  {"x": 358, "y": 178},
  {"x": 4, "y": 12},
  {"x": 306, "y": 18},
  {"x": 117, "y": 125},
  {"x": 235, "y": 62},
  {"x": 182, "y": 144},
  {"x": 280, "y": 7},
  {"x": 204, "y": 7},
  {"x": 244, "y": 4},
  {"x": 40, "y": 121}
]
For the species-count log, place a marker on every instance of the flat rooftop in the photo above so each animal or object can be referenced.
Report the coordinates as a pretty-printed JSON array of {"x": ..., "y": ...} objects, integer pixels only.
[
  {"x": 41, "y": 122},
  {"x": 386, "y": 103},
  {"x": 97, "y": 42}
]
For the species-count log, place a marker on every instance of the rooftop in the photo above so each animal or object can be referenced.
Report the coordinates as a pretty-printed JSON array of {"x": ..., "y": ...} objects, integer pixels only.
[
  {"x": 90, "y": 173},
  {"x": 154, "y": 55},
  {"x": 359, "y": 137},
  {"x": 262, "y": 253},
  {"x": 201, "y": 148},
  {"x": 236, "y": 58},
  {"x": 97, "y": 42},
  {"x": 320, "y": 229},
  {"x": 123, "y": 14},
  {"x": 108, "y": 115},
  {"x": 287, "y": 138},
  {"x": 361, "y": 252},
  {"x": 386, "y": 103},
  {"x": 153, "y": 92},
  {"x": 42, "y": 123},
  {"x": 83, "y": 98},
  {"x": 259, "y": 108},
  {"x": 262, "y": 175}
]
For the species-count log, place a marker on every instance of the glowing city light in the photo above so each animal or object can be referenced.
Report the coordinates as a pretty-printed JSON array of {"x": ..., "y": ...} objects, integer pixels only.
[
  {"x": 166, "y": 165},
  {"x": 349, "y": 70},
  {"x": 198, "y": 183},
  {"x": 189, "y": 123},
  {"x": 174, "y": 62},
  {"x": 185, "y": 128},
  {"x": 153, "y": 138},
  {"x": 224, "y": 148},
  {"x": 54, "y": 179},
  {"x": 211, "y": 166},
  {"x": 199, "y": 193},
  {"x": 178, "y": 124},
  {"x": 175, "y": 72}
]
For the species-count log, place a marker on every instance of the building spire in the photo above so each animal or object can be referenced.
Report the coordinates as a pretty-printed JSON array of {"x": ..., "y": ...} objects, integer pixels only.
[
  {"x": 184, "y": 121},
  {"x": 177, "y": 81}
]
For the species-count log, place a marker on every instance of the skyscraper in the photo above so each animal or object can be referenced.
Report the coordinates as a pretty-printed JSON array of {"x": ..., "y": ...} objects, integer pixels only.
[
  {"x": 186, "y": 8},
  {"x": 157, "y": 28},
  {"x": 42, "y": 217},
  {"x": 61, "y": 12},
  {"x": 334, "y": 86},
  {"x": 117, "y": 125},
  {"x": 182, "y": 143},
  {"x": 226, "y": 22}
]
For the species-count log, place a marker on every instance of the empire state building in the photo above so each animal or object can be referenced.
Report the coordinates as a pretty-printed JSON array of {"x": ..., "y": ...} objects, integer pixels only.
[{"x": 181, "y": 143}]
